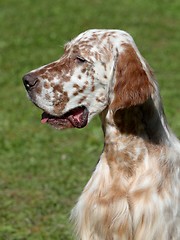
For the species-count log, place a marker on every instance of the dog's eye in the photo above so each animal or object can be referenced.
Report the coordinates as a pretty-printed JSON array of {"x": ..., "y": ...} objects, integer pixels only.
[{"x": 81, "y": 59}]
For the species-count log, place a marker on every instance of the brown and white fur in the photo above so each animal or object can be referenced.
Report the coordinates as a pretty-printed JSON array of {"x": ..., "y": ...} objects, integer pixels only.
[{"x": 133, "y": 194}]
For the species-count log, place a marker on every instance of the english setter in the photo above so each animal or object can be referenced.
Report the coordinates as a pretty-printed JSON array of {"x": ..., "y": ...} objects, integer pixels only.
[{"x": 134, "y": 192}]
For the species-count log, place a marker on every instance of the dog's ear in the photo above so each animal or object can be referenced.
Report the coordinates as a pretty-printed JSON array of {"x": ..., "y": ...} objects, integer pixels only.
[{"x": 133, "y": 85}]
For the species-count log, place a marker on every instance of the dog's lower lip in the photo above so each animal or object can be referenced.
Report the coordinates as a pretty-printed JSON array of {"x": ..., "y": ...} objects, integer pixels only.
[{"x": 46, "y": 117}]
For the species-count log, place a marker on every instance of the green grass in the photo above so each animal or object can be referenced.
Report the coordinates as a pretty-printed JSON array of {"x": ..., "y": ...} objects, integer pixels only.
[{"x": 43, "y": 171}]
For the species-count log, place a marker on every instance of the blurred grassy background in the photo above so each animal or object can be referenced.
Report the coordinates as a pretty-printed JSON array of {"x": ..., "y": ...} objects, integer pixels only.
[{"x": 43, "y": 171}]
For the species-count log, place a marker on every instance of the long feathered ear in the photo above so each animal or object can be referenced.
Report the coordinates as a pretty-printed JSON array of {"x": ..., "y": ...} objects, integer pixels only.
[{"x": 133, "y": 85}]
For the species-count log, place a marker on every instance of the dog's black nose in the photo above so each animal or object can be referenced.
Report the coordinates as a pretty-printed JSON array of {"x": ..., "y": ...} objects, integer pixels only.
[{"x": 30, "y": 81}]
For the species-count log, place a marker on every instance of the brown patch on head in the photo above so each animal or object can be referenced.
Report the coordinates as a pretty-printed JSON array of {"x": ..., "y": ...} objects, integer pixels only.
[{"x": 133, "y": 85}]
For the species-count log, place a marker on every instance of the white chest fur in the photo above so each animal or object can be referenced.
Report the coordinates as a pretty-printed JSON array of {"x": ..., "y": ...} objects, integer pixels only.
[{"x": 118, "y": 208}]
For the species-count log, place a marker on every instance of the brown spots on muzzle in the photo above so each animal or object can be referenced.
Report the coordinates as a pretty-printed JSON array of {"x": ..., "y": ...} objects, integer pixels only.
[
  {"x": 52, "y": 84},
  {"x": 100, "y": 99},
  {"x": 82, "y": 100},
  {"x": 60, "y": 70},
  {"x": 58, "y": 88},
  {"x": 83, "y": 70},
  {"x": 38, "y": 90},
  {"x": 47, "y": 85},
  {"x": 60, "y": 97},
  {"x": 79, "y": 89},
  {"x": 92, "y": 88},
  {"x": 47, "y": 97},
  {"x": 60, "y": 102},
  {"x": 92, "y": 83}
]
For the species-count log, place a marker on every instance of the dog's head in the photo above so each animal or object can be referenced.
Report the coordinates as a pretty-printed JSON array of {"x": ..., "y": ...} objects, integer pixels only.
[{"x": 99, "y": 69}]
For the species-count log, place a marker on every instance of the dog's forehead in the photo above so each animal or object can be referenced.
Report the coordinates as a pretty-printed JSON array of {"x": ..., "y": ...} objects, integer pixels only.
[
  {"x": 86, "y": 44},
  {"x": 96, "y": 35},
  {"x": 96, "y": 40},
  {"x": 90, "y": 38}
]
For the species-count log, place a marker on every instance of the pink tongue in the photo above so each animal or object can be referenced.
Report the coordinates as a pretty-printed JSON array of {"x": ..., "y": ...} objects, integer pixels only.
[{"x": 44, "y": 120}]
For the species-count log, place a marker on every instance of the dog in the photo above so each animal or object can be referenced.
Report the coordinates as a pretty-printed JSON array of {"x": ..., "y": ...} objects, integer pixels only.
[{"x": 133, "y": 193}]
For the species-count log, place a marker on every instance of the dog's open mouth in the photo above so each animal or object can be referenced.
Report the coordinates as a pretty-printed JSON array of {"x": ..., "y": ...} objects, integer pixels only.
[{"x": 77, "y": 117}]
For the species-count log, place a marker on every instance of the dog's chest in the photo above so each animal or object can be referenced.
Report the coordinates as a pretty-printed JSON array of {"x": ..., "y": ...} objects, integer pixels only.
[{"x": 111, "y": 209}]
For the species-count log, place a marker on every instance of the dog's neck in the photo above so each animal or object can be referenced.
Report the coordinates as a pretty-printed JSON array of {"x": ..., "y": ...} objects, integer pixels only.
[
  {"x": 121, "y": 142},
  {"x": 129, "y": 138}
]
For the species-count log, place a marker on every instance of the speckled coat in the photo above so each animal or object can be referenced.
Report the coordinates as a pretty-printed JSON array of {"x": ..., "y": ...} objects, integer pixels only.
[{"x": 133, "y": 194}]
